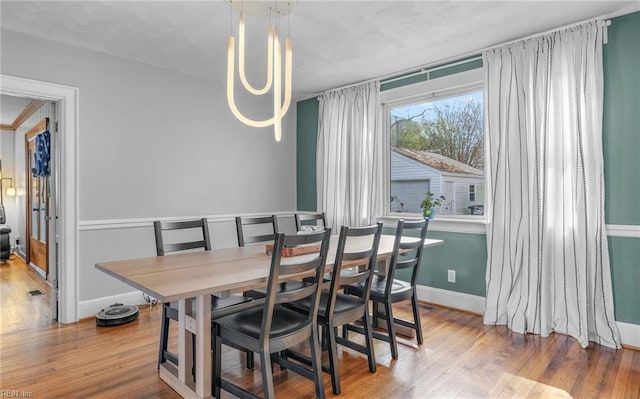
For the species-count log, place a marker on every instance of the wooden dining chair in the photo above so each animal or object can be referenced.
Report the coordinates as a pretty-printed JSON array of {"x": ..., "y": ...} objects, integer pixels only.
[
  {"x": 338, "y": 309},
  {"x": 274, "y": 328},
  {"x": 313, "y": 220},
  {"x": 198, "y": 229},
  {"x": 386, "y": 290}
]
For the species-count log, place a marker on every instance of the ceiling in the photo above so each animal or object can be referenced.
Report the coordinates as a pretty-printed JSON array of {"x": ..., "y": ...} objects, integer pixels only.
[
  {"x": 11, "y": 107},
  {"x": 335, "y": 42}
]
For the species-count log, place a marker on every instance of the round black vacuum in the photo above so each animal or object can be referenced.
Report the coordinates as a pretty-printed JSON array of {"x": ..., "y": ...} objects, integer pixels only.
[{"x": 116, "y": 315}]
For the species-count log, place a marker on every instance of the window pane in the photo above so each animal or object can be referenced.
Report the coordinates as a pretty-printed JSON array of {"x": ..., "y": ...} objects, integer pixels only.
[{"x": 438, "y": 146}]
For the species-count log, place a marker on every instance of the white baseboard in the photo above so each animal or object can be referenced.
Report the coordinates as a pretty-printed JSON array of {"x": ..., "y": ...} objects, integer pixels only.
[
  {"x": 93, "y": 306},
  {"x": 629, "y": 334},
  {"x": 451, "y": 299}
]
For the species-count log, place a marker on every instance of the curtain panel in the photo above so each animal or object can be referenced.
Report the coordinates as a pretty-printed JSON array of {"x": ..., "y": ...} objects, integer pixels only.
[
  {"x": 548, "y": 260},
  {"x": 351, "y": 158}
]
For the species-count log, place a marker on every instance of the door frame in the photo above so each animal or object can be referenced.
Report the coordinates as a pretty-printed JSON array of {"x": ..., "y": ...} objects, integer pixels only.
[{"x": 67, "y": 223}]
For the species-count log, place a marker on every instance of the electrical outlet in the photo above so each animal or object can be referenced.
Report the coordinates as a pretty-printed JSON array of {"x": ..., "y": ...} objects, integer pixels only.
[{"x": 451, "y": 276}]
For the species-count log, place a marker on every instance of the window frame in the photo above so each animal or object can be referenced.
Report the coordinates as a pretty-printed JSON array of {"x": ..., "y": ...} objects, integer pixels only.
[{"x": 425, "y": 91}]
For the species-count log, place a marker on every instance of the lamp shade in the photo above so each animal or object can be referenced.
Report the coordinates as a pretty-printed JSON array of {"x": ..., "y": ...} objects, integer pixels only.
[{"x": 11, "y": 191}]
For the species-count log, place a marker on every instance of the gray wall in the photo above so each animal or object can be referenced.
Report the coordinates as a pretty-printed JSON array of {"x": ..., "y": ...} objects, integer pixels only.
[{"x": 155, "y": 143}]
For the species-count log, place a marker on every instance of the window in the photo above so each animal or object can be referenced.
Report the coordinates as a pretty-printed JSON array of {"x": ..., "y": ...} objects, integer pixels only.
[{"x": 436, "y": 137}]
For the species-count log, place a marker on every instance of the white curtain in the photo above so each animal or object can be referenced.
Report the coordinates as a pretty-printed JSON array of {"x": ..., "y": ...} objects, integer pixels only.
[
  {"x": 548, "y": 261},
  {"x": 352, "y": 156}
]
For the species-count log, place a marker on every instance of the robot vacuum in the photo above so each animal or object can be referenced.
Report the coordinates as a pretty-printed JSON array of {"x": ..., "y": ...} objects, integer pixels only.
[{"x": 116, "y": 315}]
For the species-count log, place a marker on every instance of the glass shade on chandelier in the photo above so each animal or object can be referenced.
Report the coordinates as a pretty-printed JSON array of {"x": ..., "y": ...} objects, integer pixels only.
[{"x": 273, "y": 80}]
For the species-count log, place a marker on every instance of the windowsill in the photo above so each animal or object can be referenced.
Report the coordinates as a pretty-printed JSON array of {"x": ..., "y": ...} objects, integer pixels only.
[{"x": 453, "y": 224}]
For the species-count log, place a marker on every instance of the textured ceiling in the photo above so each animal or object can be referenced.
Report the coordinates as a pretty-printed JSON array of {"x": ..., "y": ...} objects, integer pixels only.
[{"x": 335, "y": 42}]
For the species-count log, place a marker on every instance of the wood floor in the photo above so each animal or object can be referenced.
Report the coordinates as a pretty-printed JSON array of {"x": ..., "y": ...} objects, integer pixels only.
[{"x": 460, "y": 358}]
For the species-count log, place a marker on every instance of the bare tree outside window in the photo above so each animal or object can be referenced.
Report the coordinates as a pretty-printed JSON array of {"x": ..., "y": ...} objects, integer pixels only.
[{"x": 445, "y": 140}]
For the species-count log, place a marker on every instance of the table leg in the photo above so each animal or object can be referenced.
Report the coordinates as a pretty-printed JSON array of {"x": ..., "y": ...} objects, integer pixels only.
[
  {"x": 185, "y": 341},
  {"x": 193, "y": 318},
  {"x": 203, "y": 345}
]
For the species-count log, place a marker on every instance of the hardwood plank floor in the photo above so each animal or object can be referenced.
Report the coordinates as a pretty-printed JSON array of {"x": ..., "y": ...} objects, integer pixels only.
[
  {"x": 19, "y": 310},
  {"x": 460, "y": 358}
]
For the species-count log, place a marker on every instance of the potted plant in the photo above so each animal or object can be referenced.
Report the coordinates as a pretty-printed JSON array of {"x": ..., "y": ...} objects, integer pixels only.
[{"x": 429, "y": 203}]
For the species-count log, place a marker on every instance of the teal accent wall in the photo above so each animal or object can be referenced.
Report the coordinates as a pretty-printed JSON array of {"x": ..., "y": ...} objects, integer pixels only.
[
  {"x": 621, "y": 123},
  {"x": 464, "y": 253},
  {"x": 467, "y": 253},
  {"x": 624, "y": 255},
  {"x": 621, "y": 148},
  {"x": 306, "y": 142}
]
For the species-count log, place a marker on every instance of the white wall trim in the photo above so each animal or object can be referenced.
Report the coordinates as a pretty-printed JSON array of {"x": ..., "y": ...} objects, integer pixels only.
[
  {"x": 451, "y": 299},
  {"x": 629, "y": 334},
  {"x": 67, "y": 228},
  {"x": 471, "y": 225},
  {"x": 108, "y": 224},
  {"x": 91, "y": 307},
  {"x": 623, "y": 230},
  {"x": 460, "y": 224},
  {"x": 452, "y": 225}
]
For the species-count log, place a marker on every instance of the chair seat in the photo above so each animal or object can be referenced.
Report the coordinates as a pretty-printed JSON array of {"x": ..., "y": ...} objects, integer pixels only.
[
  {"x": 400, "y": 290},
  {"x": 344, "y": 304},
  {"x": 249, "y": 322}
]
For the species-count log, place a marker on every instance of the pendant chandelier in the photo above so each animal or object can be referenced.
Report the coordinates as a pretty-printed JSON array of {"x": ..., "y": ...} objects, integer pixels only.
[{"x": 274, "y": 66}]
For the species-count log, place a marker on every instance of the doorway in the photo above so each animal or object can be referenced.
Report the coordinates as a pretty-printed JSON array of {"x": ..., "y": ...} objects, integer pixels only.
[
  {"x": 27, "y": 154},
  {"x": 66, "y": 222}
]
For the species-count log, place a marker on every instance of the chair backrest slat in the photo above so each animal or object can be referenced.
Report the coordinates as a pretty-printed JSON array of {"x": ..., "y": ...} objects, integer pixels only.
[
  {"x": 269, "y": 223},
  {"x": 407, "y": 253},
  {"x": 160, "y": 227}
]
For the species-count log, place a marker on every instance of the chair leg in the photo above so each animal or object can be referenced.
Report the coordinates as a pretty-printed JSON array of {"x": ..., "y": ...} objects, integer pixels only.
[
  {"x": 368, "y": 336},
  {"x": 217, "y": 366},
  {"x": 316, "y": 362},
  {"x": 193, "y": 351},
  {"x": 164, "y": 336},
  {"x": 333, "y": 359},
  {"x": 250, "y": 361},
  {"x": 375, "y": 314},
  {"x": 267, "y": 378},
  {"x": 391, "y": 330},
  {"x": 416, "y": 318}
]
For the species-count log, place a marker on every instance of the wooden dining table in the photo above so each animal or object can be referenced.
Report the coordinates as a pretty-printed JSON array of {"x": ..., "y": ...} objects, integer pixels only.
[{"x": 199, "y": 275}]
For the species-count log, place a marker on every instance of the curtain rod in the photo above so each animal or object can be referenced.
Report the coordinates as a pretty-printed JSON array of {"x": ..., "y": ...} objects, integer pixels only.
[{"x": 470, "y": 56}]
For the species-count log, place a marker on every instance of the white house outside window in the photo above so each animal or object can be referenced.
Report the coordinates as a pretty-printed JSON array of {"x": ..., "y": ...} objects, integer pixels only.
[{"x": 437, "y": 144}]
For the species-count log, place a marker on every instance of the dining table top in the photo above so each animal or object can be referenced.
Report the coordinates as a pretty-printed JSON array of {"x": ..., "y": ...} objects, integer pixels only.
[{"x": 219, "y": 271}]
